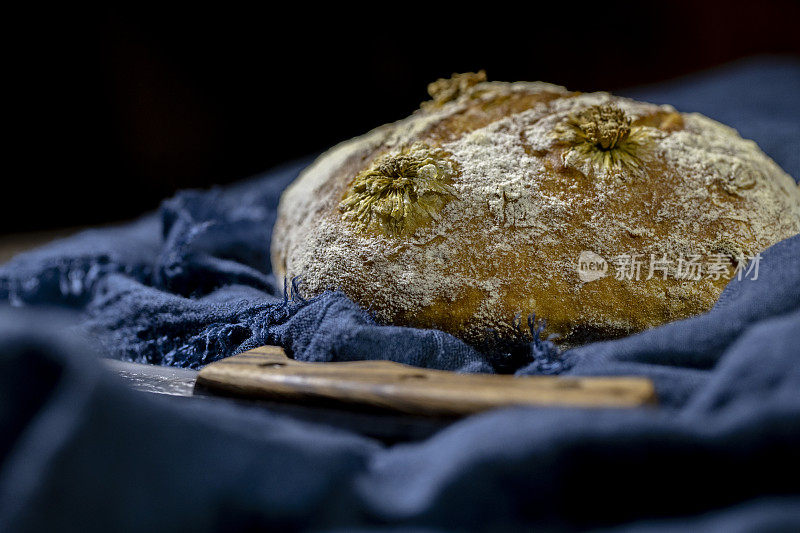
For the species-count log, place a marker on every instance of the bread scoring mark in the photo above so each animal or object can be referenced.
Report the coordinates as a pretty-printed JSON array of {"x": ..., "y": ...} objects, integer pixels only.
[
  {"x": 602, "y": 135},
  {"x": 736, "y": 253},
  {"x": 401, "y": 191}
]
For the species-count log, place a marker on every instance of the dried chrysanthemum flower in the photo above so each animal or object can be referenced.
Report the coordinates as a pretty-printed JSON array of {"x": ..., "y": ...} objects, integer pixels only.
[
  {"x": 602, "y": 135},
  {"x": 445, "y": 90},
  {"x": 401, "y": 191}
]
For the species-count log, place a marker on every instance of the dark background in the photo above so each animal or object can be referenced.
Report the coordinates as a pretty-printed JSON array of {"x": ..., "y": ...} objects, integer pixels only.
[{"x": 114, "y": 110}]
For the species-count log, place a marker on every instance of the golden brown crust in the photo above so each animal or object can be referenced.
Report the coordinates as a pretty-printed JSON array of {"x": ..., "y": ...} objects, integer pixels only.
[{"x": 528, "y": 198}]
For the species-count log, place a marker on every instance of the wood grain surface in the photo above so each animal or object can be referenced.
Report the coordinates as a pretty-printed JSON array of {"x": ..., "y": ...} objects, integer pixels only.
[{"x": 267, "y": 373}]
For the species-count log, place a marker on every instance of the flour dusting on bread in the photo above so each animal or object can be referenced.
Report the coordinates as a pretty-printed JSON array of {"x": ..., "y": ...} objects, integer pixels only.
[{"x": 526, "y": 204}]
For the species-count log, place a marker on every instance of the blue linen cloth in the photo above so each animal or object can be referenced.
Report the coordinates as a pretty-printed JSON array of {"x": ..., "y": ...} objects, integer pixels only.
[{"x": 191, "y": 284}]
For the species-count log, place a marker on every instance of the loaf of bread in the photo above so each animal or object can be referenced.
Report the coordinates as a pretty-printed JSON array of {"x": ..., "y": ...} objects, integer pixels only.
[{"x": 601, "y": 215}]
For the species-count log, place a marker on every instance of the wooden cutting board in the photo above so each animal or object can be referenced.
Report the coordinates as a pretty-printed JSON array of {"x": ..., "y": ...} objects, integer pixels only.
[{"x": 267, "y": 373}]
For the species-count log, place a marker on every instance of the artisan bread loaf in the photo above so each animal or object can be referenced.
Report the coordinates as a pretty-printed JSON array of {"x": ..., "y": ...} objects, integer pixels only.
[{"x": 497, "y": 201}]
